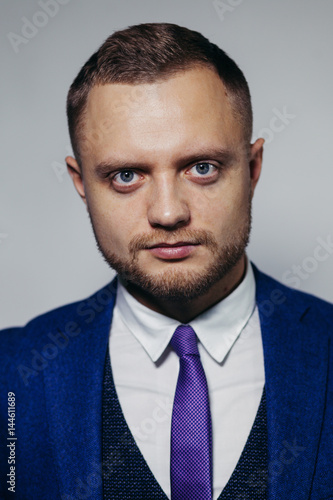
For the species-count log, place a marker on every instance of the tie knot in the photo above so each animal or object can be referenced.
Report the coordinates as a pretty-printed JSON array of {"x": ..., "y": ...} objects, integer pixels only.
[{"x": 184, "y": 341}]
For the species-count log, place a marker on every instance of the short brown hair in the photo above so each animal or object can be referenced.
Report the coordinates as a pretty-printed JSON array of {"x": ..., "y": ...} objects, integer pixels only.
[{"x": 149, "y": 52}]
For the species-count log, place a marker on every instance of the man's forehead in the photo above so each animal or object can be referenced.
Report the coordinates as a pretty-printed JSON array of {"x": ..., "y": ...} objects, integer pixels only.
[
  {"x": 201, "y": 85},
  {"x": 190, "y": 106}
]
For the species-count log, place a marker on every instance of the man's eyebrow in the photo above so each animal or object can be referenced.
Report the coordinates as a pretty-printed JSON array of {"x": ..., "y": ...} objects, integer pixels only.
[
  {"x": 222, "y": 155},
  {"x": 103, "y": 168}
]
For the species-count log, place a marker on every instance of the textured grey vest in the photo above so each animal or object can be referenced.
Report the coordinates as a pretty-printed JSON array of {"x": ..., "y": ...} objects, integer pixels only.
[{"x": 126, "y": 475}]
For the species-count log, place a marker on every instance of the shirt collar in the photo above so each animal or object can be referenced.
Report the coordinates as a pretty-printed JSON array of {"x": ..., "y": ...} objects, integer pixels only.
[{"x": 217, "y": 328}]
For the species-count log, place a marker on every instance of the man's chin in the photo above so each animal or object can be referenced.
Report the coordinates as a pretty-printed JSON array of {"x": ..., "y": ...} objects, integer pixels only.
[
  {"x": 175, "y": 284},
  {"x": 171, "y": 286},
  {"x": 181, "y": 281}
]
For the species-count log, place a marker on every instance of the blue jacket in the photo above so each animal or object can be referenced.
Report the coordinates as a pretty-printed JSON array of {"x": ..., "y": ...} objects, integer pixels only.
[{"x": 54, "y": 366}]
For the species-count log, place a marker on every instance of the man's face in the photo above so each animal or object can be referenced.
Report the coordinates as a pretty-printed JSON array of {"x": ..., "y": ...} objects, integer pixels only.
[{"x": 168, "y": 182}]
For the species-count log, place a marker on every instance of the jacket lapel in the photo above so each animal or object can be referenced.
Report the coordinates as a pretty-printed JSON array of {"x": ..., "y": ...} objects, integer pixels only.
[
  {"x": 296, "y": 352},
  {"x": 73, "y": 388}
]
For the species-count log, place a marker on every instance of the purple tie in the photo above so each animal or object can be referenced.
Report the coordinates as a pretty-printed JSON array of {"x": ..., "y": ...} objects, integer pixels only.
[{"x": 191, "y": 435}]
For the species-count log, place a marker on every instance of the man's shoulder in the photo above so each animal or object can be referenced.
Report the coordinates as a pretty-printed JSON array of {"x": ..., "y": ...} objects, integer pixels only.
[
  {"x": 65, "y": 319},
  {"x": 272, "y": 293}
]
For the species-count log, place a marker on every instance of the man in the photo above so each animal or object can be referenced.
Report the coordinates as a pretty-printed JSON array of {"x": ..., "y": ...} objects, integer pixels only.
[{"x": 192, "y": 375}]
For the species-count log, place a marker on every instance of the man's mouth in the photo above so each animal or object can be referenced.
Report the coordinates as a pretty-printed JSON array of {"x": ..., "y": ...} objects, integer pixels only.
[{"x": 172, "y": 251}]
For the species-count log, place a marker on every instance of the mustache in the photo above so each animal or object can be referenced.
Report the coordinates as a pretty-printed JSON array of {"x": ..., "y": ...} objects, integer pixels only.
[{"x": 192, "y": 236}]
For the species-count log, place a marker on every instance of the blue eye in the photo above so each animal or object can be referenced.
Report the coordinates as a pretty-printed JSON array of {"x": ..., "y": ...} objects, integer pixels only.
[
  {"x": 125, "y": 177},
  {"x": 202, "y": 169}
]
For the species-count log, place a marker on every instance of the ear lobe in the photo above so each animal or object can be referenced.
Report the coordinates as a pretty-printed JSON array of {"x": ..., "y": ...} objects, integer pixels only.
[
  {"x": 255, "y": 164},
  {"x": 74, "y": 171}
]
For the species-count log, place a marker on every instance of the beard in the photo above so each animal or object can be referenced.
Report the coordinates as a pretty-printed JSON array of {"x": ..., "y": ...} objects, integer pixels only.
[{"x": 178, "y": 284}]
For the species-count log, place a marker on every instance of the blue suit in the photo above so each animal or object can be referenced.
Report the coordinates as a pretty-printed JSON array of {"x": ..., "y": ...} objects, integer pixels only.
[{"x": 54, "y": 365}]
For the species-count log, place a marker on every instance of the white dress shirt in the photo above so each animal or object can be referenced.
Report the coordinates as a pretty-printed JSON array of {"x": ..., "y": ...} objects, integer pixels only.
[{"x": 145, "y": 371}]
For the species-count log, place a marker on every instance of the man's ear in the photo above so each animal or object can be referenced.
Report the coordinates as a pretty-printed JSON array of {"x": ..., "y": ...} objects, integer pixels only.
[
  {"x": 255, "y": 163},
  {"x": 75, "y": 172}
]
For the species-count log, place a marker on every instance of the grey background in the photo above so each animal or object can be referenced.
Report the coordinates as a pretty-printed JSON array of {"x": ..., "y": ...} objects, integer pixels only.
[{"x": 47, "y": 250}]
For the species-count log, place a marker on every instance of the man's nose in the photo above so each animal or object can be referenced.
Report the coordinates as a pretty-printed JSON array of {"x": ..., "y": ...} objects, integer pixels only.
[{"x": 167, "y": 206}]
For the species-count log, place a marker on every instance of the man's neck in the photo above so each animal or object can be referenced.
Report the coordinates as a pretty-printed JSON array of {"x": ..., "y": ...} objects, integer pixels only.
[{"x": 186, "y": 311}]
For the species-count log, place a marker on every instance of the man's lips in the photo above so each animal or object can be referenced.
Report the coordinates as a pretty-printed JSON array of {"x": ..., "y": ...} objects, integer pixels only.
[
  {"x": 171, "y": 251},
  {"x": 177, "y": 244}
]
